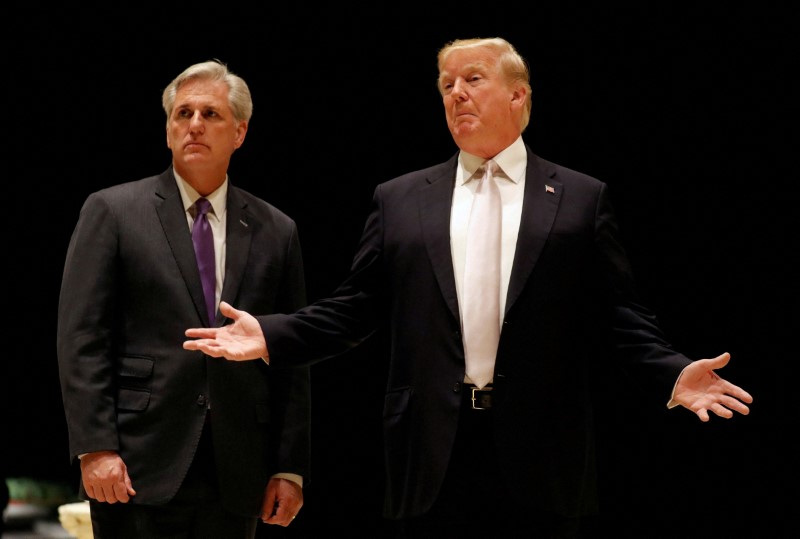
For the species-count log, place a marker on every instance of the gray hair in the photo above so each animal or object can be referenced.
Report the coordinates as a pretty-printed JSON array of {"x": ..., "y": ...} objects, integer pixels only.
[
  {"x": 512, "y": 65},
  {"x": 239, "y": 98}
]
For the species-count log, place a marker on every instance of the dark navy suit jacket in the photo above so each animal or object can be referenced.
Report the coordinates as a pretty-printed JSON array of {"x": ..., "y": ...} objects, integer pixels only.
[{"x": 571, "y": 308}]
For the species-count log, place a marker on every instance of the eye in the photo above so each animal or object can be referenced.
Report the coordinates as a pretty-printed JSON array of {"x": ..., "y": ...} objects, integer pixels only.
[
  {"x": 183, "y": 113},
  {"x": 210, "y": 113}
]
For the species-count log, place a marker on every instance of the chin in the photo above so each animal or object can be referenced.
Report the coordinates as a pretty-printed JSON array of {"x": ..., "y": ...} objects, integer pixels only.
[
  {"x": 463, "y": 134},
  {"x": 190, "y": 158}
]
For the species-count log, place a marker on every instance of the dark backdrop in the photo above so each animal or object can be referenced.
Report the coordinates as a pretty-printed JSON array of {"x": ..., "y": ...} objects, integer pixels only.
[{"x": 684, "y": 113}]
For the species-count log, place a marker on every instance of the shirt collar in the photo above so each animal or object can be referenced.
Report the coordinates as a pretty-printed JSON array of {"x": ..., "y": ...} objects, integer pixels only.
[
  {"x": 512, "y": 162},
  {"x": 189, "y": 195}
]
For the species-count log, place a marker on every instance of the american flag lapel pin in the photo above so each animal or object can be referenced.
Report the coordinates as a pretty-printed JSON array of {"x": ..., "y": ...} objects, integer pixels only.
[{"x": 549, "y": 189}]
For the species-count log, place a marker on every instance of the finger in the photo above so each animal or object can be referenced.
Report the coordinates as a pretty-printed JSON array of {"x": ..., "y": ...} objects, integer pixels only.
[
  {"x": 280, "y": 518},
  {"x": 735, "y": 404},
  {"x": 202, "y": 333},
  {"x": 100, "y": 494},
  {"x": 702, "y": 413},
  {"x": 109, "y": 492},
  {"x": 209, "y": 349},
  {"x": 721, "y": 411},
  {"x": 121, "y": 492},
  {"x": 203, "y": 345},
  {"x": 266, "y": 510},
  {"x": 739, "y": 393},
  {"x": 283, "y": 515},
  {"x": 200, "y": 345}
]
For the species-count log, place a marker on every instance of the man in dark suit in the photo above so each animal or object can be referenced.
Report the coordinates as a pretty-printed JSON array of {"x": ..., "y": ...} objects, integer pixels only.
[
  {"x": 173, "y": 443},
  {"x": 511, "y": 452}
]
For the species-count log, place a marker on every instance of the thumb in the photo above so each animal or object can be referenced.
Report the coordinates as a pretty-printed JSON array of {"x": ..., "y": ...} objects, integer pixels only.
[
  {"x": 227, "y": 310},
  {"x": 268, "y": 508},
  {"x": 129, "y": 485},
  {"x": 719, "y": 361}
]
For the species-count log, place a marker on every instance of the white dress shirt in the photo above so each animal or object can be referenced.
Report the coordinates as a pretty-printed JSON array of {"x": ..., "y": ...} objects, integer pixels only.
[
  {"x": 512, "y": 163},
  {"x": 216, "y": 218}
]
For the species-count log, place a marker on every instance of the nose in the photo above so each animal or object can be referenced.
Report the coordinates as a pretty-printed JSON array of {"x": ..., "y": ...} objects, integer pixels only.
[
  {"x": 196, "y": 122},
  {"x": 459, "y": 91}
]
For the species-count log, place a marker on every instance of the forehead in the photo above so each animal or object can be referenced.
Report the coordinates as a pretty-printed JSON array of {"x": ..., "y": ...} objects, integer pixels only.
[
  {"x": 202, "y": 92},
  {"x": 470, "y": 59}
]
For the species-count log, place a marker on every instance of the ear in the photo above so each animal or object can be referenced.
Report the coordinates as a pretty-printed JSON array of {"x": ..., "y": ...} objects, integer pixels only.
[
  {"x": 169, "y": 145},
  {"x": 241, "y": 131},
  {"x": 519, "y": 96}
]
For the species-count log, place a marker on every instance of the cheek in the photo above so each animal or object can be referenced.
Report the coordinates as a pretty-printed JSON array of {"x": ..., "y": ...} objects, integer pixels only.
[
  {"x": 449, "y": 112},
  {"x": 173, "y": 133}
]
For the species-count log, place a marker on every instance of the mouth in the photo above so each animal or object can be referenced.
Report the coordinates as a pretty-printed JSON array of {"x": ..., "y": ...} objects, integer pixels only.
[{"x": 193, "y": 146}]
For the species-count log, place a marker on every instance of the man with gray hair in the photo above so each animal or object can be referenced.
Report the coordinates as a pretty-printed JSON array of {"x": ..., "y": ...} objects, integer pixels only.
[{"x": 171, "y": 442}]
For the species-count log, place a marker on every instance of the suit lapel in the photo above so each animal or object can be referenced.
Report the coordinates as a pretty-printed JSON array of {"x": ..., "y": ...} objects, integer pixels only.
[
  {"x": 435, "y": 206},
  {"x": 238, "y": 234},
  {"x": 539, "y": 208},
  {"x": 169, "y": 208}
]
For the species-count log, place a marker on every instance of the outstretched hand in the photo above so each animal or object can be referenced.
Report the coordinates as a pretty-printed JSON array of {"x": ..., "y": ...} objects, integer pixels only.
[
  {"x": 240, "y": 341},
  {"x": 701, "y": 390}
]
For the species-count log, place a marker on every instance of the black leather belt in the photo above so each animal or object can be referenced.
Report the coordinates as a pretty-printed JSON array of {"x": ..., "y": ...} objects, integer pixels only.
[{"x": 480, "y": 399}]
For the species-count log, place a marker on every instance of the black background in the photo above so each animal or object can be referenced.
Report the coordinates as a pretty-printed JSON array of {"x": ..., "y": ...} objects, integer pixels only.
[{"x": 686, "y": 114}]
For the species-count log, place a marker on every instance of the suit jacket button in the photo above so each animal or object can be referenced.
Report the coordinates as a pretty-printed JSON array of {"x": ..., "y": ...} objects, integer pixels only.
[
  {"x": 201, "y": 400},
  {"x": 457, "y": 387}
]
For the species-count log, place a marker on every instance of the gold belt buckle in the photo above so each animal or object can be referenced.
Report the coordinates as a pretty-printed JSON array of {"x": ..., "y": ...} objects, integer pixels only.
[{"x": 482, "y": 397}]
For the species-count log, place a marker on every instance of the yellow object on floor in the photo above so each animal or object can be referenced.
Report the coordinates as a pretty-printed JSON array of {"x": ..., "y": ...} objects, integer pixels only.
[{"x": 75, "y": 519}]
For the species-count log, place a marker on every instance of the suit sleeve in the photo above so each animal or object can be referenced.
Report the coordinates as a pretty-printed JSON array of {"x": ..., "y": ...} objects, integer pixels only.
[
  {"x": 332, "y": 326},
  {"x": 290, "y": 388},
  {"x": 637, "y": 340},
  {"x": 85, "y": 328}
]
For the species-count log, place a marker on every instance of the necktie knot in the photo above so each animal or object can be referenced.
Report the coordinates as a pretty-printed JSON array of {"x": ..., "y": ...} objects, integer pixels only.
[
  {"x": 490, "y": 168},
  {"x": 202, "y": 206}
]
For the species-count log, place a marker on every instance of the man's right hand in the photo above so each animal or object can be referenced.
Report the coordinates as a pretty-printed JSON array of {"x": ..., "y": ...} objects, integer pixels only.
[
  {"x": 243, "y": 340},
  {"x": 105, "y": 477}
]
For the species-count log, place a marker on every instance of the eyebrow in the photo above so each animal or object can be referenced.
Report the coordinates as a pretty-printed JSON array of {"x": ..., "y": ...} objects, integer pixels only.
[{"x": 469, "y": 68}]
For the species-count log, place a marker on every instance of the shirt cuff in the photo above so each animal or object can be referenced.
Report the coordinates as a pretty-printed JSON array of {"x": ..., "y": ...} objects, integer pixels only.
[
  {"x": 672, "y": 402},
  {"x": 291, "y": 477}
]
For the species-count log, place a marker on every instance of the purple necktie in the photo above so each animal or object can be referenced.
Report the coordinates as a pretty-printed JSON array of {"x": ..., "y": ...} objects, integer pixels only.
[{"x": 203, "y": 240}]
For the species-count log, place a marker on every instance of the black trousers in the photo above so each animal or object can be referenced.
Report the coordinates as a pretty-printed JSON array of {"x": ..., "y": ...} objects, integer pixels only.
[
  {"x": 474, "y": 500},
  {"x": 194, "y": 513}
]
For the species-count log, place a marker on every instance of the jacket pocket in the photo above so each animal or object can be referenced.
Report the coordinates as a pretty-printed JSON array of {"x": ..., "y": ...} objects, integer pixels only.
[
  {"x": 135, "y": 366},
  {"x": 134, "y": 379},
  {"x": 132, "y": 399}
]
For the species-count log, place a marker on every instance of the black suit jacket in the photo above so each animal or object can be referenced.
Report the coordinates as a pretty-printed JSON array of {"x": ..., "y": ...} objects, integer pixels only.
[
  {"x": 130, "y": 289},
  {"x": 570, "y": 308}
]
